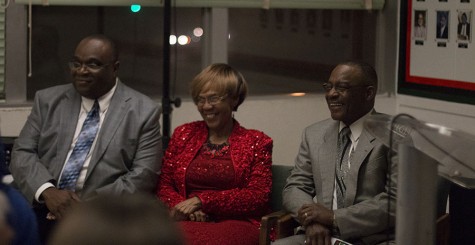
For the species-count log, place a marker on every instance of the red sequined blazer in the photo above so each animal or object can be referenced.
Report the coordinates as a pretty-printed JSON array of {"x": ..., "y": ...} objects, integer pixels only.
[{"x": 251, "y": 154}]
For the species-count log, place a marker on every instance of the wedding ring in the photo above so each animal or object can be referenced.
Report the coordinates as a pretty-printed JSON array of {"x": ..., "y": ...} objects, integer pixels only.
[{"x": 306, "y": 215}]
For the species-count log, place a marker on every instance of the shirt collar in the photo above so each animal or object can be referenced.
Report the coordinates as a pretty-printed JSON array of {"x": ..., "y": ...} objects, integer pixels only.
[
  {"x": 356, "y": 127},
  {"x": 104, "y": 101}
]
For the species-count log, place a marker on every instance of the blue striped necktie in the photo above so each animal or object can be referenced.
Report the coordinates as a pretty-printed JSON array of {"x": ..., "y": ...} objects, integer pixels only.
[
  {"x": 81, "y": 149},
  {"x": 342, "y": 165}
]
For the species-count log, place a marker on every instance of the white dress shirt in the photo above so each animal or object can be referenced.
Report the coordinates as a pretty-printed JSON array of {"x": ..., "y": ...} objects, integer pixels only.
[{"x": 356, "y": 129}]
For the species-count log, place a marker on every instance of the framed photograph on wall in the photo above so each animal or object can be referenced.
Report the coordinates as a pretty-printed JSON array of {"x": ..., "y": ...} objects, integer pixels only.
[
  {"x": 442, "y": 27},
  {"x": 420, "y": 24},
  {"x": 443, "y": 67},
  {"x": 464, "y": 25}
]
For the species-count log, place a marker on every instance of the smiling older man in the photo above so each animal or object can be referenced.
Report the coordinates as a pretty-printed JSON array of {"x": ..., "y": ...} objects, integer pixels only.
[{"x": 339, "y": 186}]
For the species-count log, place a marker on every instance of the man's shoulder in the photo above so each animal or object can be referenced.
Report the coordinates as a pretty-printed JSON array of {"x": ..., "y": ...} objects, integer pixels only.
[
  {"x": 132, "y": 92},
  {"x": 321, "y": 125},
  {"x": 55, "y": 90},
  {"x": 136, "y": 95}
]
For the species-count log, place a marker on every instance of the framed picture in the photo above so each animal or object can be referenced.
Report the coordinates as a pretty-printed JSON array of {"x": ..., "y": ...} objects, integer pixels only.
[
  {"x": 442, "y": 65},
  {"x": 442, "y": 27},
  {"x": 464, "y": 18},
  {"x": 420, "y": 24}
]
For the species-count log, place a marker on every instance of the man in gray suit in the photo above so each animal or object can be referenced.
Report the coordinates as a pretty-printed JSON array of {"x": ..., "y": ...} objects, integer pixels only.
[
  {"x": 353, "y": 199},
  {"x": 125, "y": 155}
]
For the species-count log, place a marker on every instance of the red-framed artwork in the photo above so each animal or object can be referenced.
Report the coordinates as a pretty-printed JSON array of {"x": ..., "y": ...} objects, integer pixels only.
[{"x": 437, "y": 56}]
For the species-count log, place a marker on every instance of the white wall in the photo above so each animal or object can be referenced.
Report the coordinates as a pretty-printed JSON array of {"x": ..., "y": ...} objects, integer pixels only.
[{"x": 283, "y": 117}]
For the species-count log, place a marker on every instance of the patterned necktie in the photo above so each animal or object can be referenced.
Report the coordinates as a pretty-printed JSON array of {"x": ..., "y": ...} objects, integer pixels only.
[
  {"x": 81, "y": 149},
  {"x": 342, "y": 165}
]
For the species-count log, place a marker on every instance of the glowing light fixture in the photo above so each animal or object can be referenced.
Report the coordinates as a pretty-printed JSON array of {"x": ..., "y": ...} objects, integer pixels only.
[
  {"x": 298, "y": 94},
  {"x": 183, "y": 40},
  {"x": 172, "y": 39},
  {"x": 135, "y": 8},
  {"x": 198, "y": 32}
]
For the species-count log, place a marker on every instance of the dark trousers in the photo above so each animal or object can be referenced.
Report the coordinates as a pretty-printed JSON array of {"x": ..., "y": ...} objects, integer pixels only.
[{"x": 45, "y": 226}]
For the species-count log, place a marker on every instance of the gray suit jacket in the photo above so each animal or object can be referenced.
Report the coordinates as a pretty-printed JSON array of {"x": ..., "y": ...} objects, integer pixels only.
[
  {"x": 366, "y": 213},
  {"x": 127, "y": 154}
]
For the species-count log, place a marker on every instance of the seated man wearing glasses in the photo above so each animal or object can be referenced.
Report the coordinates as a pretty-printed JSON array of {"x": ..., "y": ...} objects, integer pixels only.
[
  {"x": 342, "y": 185},
  {"x": 92, "y": 137}
]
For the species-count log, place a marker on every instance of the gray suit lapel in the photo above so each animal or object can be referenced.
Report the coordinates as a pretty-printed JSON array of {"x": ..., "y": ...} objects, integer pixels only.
[
  {"x": 327, "y": 159},
  {"x": 118, "y": 108},
  {"x": 364, "y": 147},
  {"x": 69, "y": 108}
]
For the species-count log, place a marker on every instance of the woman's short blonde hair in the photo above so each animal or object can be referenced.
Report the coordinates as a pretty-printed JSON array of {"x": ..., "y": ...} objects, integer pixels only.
[{"x": 222, "y": 78}]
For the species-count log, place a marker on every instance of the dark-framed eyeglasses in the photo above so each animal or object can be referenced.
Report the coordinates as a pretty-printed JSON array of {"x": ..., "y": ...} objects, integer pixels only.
[
  {"x": 91, "y": 66},
  {"x": 341, "y": 87},
  {"x": 212, "y": 100}
]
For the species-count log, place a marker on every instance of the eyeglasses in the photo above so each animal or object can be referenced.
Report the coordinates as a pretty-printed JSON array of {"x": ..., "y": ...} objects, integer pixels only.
[
  {"x": 212, "y": 100},
  {"x": 340, "y": 87},
  {"x": 91, "y": 66}
]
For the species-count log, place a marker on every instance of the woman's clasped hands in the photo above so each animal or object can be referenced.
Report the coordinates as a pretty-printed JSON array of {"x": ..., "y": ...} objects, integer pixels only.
[{"x": 190, "y": 209}]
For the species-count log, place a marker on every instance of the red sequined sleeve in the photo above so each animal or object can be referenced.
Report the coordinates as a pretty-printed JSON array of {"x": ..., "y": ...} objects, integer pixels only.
[
  {"x": 167, "y": 190},
  {"x": 252, "y": 198}
]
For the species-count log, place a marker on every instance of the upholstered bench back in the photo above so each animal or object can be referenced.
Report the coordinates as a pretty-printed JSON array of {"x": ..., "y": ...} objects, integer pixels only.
[{"x": 279, "y": 177}]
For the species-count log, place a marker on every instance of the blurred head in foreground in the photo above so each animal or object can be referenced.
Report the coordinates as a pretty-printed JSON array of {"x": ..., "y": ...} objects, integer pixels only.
[{"x": 131, "y": 219}]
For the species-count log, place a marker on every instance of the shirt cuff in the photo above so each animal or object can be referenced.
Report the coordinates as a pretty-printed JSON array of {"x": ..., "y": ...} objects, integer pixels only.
[{"x": 40, "y": 191}]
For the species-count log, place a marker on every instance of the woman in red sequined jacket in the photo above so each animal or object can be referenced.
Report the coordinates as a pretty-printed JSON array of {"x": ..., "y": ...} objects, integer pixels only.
[{"x": 216, "y": 175}]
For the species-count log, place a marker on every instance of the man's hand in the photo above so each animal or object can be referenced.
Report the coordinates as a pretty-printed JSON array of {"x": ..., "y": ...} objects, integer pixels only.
[
  {"x": 59, "y": 201},
  {"x": 317, "y": 234},
  {"x": 183, "y": 209},
  {"x": 315, "y": 213}
]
